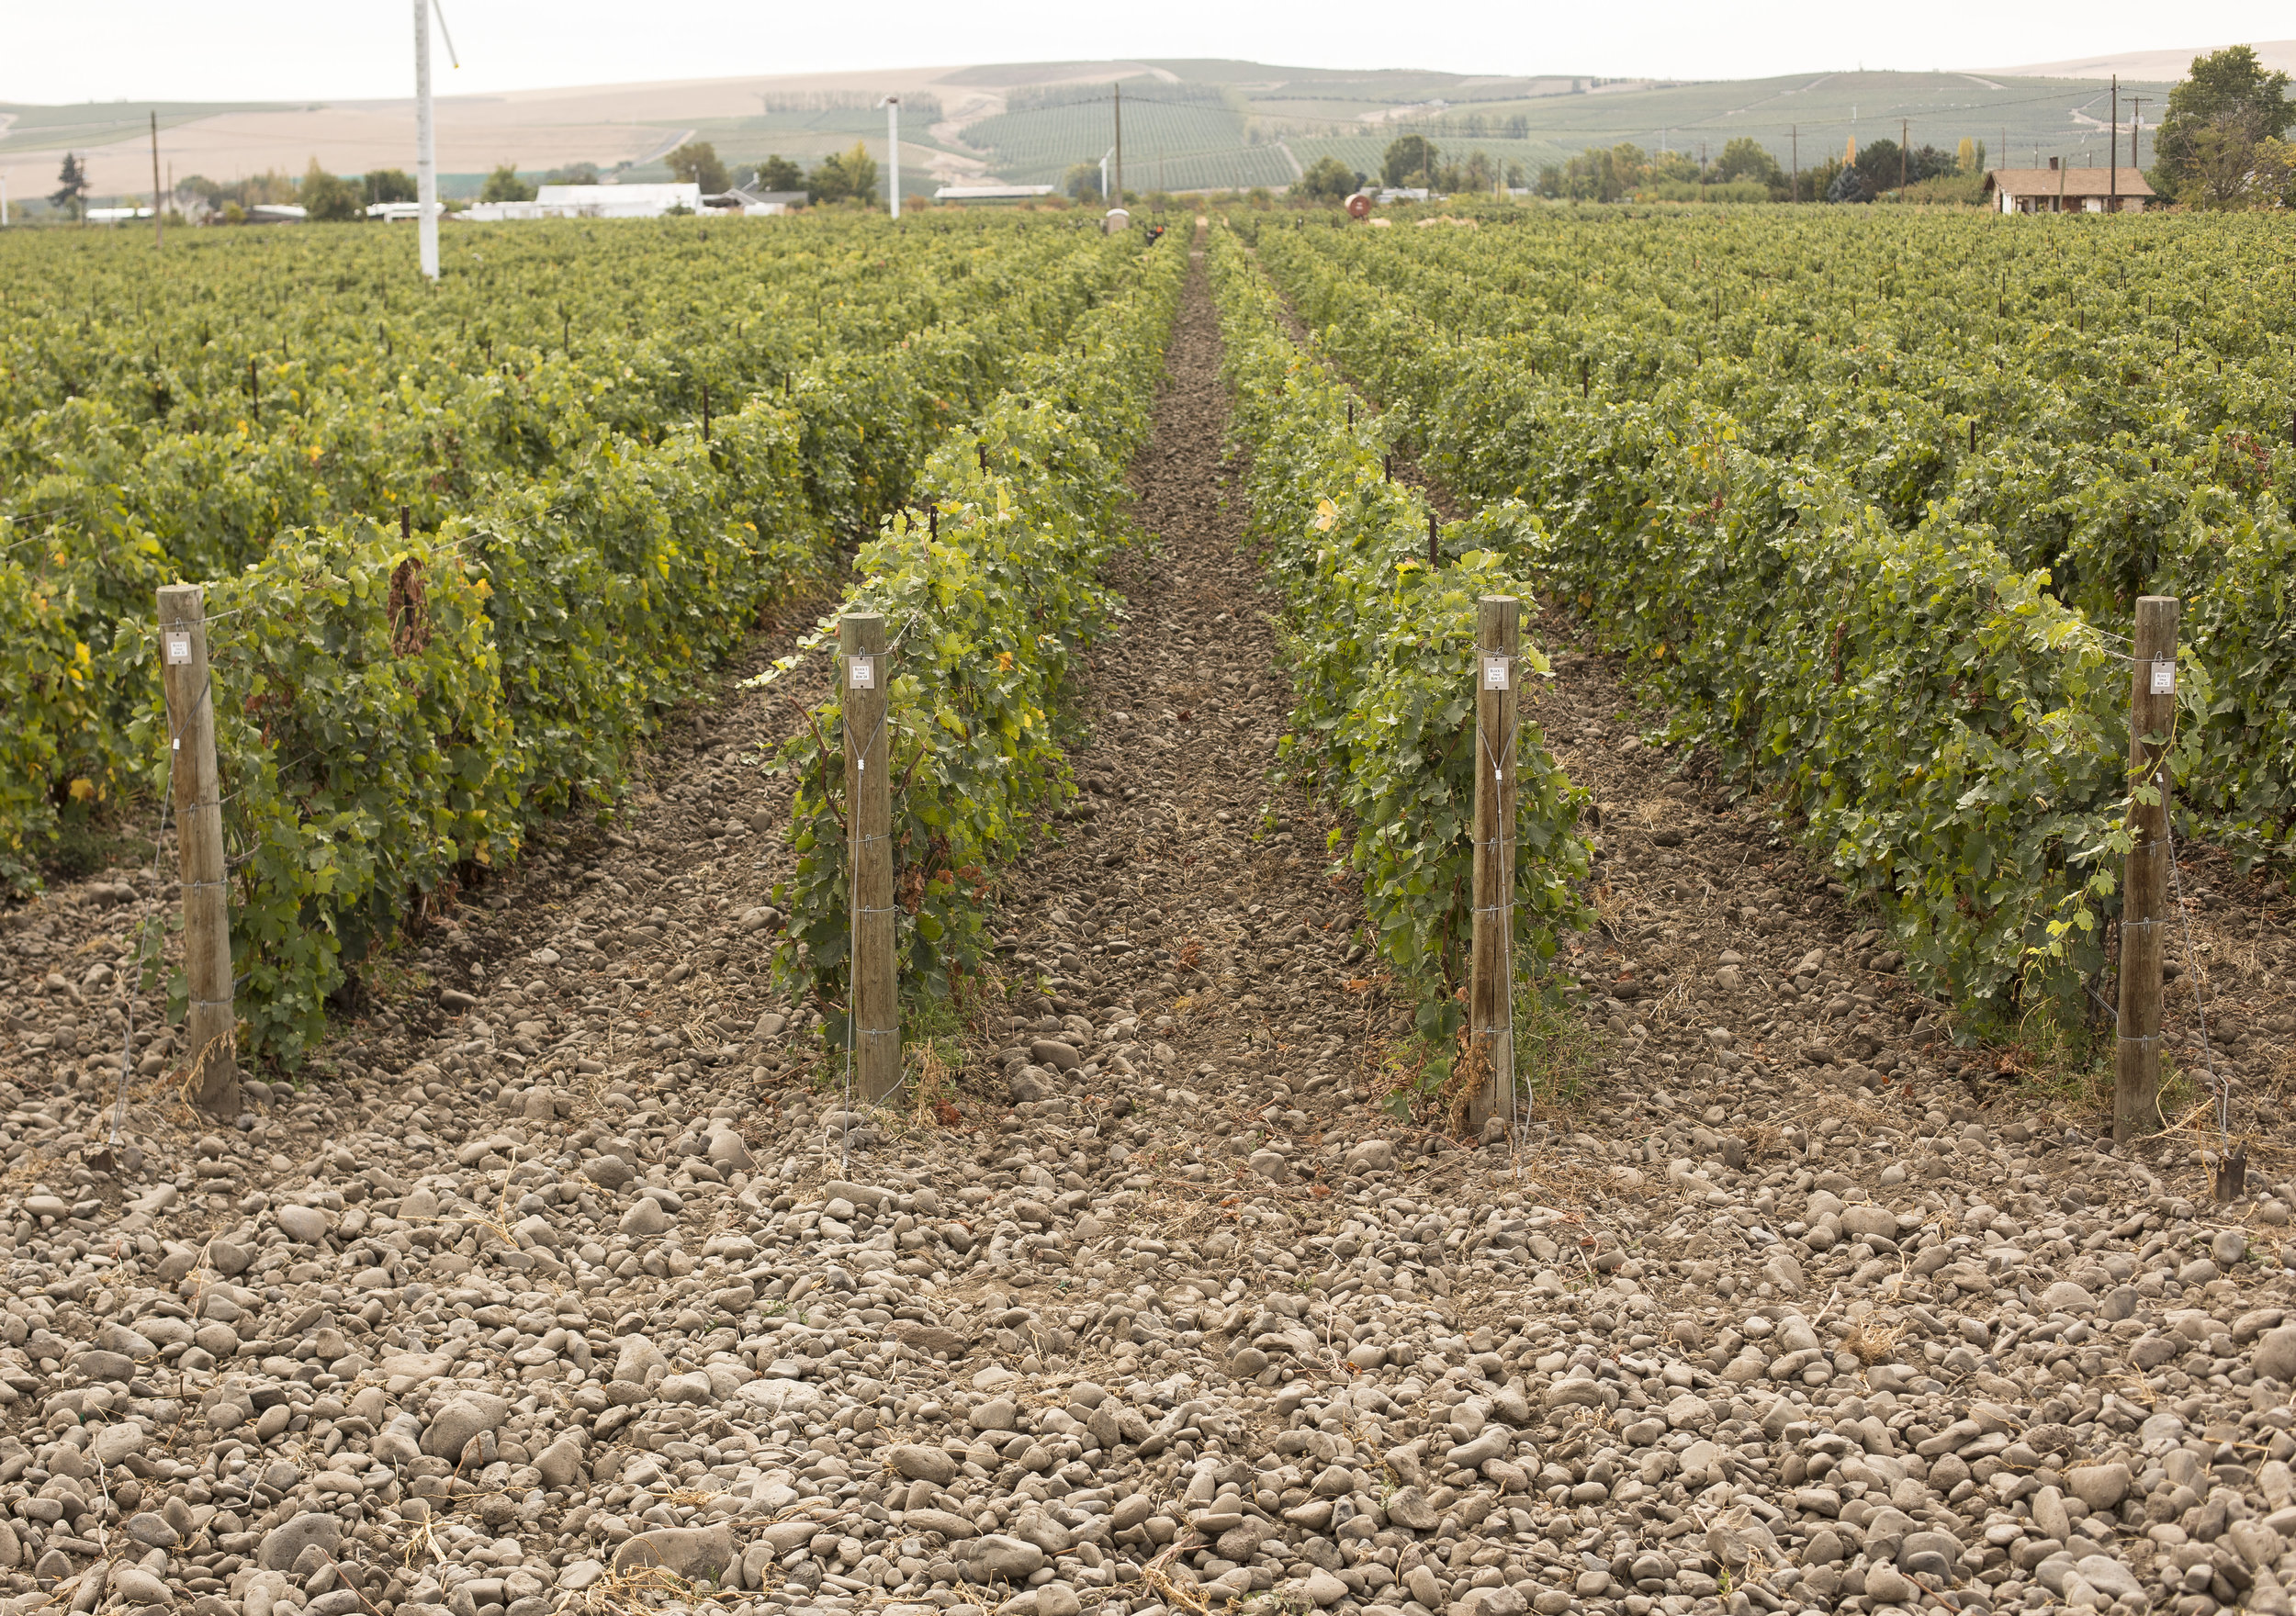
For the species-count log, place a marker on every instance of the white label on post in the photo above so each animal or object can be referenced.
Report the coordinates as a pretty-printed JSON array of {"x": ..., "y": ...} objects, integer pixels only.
[
  {"x": 1495, "y": 673},
  {"x": 862, "y": 674},
  {"x": 2163, "y": 678},
  {"x": 178, "y": 649}
]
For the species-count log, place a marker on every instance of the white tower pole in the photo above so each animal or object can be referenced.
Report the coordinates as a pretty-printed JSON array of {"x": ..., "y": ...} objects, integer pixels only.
[
  {"x": 425, "y": 145},
  {"x": 892, "y": 152}
]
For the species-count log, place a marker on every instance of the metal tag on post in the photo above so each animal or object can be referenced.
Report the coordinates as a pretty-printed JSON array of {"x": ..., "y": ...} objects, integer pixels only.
[
  {"x": 178, "y": 649},
  {"x": 2163, "y": 678},
  {"x": 861, "y": 673},
  {"x": 1495, "y": 671}
]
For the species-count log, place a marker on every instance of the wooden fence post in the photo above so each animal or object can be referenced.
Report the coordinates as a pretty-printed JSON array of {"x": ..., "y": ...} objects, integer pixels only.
[
  {"x": 875, "y": 1022},
  {"x": 2145, "y": 888},
  {"x": 211, "y": 1027},
  {"x": 1491, "y": 1008}
]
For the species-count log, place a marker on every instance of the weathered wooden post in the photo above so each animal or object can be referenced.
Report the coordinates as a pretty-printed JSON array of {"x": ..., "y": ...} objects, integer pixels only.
[
  {"x": 1491, "y": 1011},
  {"x": 2144, "y": 887},
  {"x": 875, "y": 1021},
  {"x": 211, "y": 1027}
]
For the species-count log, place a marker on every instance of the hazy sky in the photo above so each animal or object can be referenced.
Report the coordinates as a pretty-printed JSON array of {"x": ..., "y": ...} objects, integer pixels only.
[{"x": 275, "y": 49}]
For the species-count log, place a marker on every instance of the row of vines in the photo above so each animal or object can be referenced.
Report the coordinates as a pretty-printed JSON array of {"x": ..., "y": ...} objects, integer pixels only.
[
  {"x": 2109, "y": 402},
  {"x": 457, "y": 576},
  {"x": 1905, "y": 679},
  {"x": 991, "y": 592},
  {"x": 1378, "y": 628}
]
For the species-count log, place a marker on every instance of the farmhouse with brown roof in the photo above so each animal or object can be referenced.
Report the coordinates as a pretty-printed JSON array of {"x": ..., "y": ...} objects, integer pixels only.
[{"x": 2058, "y": 189}]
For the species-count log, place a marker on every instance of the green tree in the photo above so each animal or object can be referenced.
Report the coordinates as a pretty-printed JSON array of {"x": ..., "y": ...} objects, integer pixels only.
[
  {"x": 2275, "y": 170},
  {"x": 1628, "y": 169},
  {"x": 1878, "y": 165},
  {"x": 1746, "y": 158},
  {"x": 389, "y": 184},
  {"x": 1479, "y": 173},
  {"x": 1409, "y": 161},
  {"x": 71, "y": 192},
  {"x": 1081, "y": 182},
  {"x": 696, "y": 162},
  {"x": 504, "y": 186},
  {"x": 779, "y": 173},
  {"x": 1327, "y": 180},
  {"x": 844, "y": 176},
  {"x": 2225, "y": 108},
  {"x": 1673, "y": 166},
  {"x": 329, "y": 198},
  {"x": 573, "y": 174}
]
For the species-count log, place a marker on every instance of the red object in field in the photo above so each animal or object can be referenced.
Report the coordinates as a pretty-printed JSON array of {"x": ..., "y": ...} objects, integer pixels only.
[{"x": 1358, "y": 206}]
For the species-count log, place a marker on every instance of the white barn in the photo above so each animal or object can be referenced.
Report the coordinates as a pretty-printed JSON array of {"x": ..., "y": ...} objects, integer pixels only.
[{"x": 591, "y": 202}]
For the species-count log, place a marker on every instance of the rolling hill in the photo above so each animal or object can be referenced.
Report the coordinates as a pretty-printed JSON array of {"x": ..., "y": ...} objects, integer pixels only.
[{"x": 1189, "y": 123}]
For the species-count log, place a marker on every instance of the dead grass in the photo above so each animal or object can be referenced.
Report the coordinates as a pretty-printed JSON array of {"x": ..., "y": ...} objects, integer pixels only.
[{"x": 1871, "y": 1340}]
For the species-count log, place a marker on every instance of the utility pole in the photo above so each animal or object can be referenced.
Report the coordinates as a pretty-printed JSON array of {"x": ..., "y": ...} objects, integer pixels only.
[
  {"x": 425, "y": 147},
  {"x": 2144, "y": 885},
  {"x": 1797, "y": 161},
  {"x": 1902, "y": 138},
  {"x": 893, "y": 151},
  {"x": 2113, "y": 148},
  {"x": 2136, "y": 122},
  {"x": 1118, "y": 200},
  {"x": 158, "y": 224}
]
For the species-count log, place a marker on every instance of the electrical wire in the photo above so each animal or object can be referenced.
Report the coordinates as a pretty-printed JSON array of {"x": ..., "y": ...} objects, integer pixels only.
[
  {"x": 2221, "y": 1088},
  {"x": 143, "y": 923}
]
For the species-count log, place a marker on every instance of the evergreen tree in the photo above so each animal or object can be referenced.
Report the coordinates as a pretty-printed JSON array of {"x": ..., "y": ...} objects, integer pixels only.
[{"x": 71, "y": 192}]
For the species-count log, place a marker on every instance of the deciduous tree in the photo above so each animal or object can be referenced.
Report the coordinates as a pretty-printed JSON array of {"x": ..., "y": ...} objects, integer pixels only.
[
  {"x": 844, "y": 176},
  {"x": 696, "y": 162},
  {"x": 389, "y": 184},
  {"x": 329, "y": 198},
  {"x": 504, "y": 186},
  {"x": 1409, "y": 161},
  {"x": 1745, "y": 158},
  {"x": 1327, "y": 180},
  {"x": 1081, "y": 182},
  {"x": 779, "y": 173},
  {"x": 2218, "y": 119}
]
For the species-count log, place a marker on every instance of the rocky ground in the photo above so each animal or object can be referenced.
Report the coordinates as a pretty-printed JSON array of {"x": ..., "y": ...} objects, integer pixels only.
[{"x": 570, "y": 1279}]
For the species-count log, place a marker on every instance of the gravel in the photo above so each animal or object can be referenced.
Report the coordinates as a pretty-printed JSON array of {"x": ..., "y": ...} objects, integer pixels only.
[{"x": 592, "y": 1292}]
